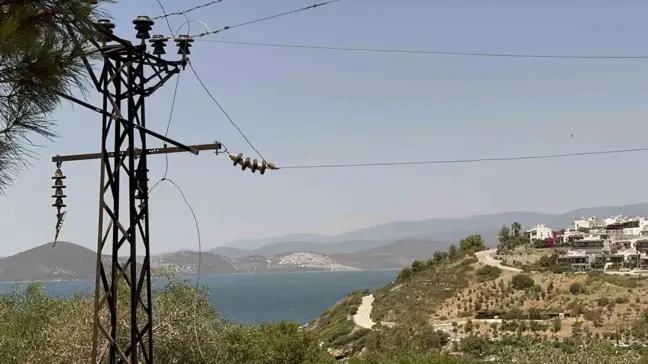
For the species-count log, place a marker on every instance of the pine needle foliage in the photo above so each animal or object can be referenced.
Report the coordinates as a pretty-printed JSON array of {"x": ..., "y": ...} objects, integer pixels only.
[{"x": 38, "y": 60}]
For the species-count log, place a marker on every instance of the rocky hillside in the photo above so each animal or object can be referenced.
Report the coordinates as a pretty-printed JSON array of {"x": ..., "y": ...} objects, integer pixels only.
[{"x": 453, "y": 302}]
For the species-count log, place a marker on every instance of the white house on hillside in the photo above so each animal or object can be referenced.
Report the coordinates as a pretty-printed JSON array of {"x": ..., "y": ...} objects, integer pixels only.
[
  {"x": 539, "y": 232},
  {"x": 592, "y": 222}
]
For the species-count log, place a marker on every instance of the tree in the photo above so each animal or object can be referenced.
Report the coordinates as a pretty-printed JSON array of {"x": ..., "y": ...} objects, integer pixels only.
[
  {"x": 472, "y": 243},
  {"x": 515, "y": 229},
  {"x": 438, "y": 256},
  {"x": 504, "y": 235},
  {"x": 38, "y": 60},
  {"x": 417, "y": 266},
  {"x": 452, "y": 251}
]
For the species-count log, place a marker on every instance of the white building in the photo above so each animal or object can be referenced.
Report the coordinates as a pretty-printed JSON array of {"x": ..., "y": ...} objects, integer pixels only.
[
  {"x": 591, "y": 222},
  {"x": 539, "y": 232}
]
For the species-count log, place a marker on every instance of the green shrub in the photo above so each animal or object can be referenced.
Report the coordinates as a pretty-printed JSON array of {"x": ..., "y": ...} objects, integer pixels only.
[
  {"x": 576, "y": 288},
  {"x": 522, "y": 281},
  {"x": 404, "y": 274},
  {"x": 488, "y": 273},
  {"x": 36, "y": 328}
]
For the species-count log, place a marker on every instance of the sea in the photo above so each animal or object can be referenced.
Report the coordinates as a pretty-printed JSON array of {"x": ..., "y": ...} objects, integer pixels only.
[{"x": 258, "y": 298}]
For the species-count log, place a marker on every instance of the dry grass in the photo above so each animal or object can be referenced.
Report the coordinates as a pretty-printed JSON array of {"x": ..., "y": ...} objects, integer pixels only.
[{"x": 419, "y": 297}]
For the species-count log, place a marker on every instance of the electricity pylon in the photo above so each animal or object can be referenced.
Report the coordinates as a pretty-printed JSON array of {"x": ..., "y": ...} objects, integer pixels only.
[{"x": 128, "y": 76}]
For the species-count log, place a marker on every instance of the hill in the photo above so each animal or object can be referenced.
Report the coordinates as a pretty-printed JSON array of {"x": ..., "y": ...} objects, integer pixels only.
[
  {"x": 430, "y": 229},
  {"x": 479, "y": 307},
  {"x": 65, "y": 261},
  {"x": 230, "y": 252},
  {"x": 345, "y": 247},
  {"x": 396, "y": 255}
]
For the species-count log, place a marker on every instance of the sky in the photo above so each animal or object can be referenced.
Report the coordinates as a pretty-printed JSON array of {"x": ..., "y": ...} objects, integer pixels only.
[{"x": 301, "y": 106}]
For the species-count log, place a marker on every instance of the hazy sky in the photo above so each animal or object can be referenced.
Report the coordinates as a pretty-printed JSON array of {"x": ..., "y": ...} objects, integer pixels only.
[{"x": 303, "y": 106}]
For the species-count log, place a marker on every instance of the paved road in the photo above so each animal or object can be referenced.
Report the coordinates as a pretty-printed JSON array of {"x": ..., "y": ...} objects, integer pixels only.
[
  {"x": 485, "y": 257},
  {"x": 362, "y": 318}
]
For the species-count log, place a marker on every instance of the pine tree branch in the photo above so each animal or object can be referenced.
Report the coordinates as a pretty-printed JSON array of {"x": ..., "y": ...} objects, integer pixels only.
[{"x": 38, "y": 61}]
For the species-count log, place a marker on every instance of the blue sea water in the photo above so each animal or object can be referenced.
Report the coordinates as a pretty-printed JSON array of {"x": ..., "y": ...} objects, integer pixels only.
[{"x": 257, "y": 298}]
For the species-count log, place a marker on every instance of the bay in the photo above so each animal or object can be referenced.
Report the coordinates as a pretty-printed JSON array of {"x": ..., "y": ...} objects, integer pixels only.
[{"x": 257, "y": 298}]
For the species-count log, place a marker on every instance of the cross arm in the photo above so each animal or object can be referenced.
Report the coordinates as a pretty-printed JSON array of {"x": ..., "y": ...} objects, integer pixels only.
[{"x": 169, "y": 150}]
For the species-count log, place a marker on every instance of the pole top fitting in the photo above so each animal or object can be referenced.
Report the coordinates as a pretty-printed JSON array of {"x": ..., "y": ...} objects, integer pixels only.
[
  {"x": 143, "y": 25},
  {"x": 158, "y": 41},
  {"x": 183, "y": 41}
]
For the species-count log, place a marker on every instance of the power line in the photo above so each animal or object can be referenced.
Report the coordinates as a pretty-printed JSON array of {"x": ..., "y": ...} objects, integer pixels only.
[
  {"x": 223, "y": 111},
  {"x": 457, "y": 161},
  {"x": 183, "y": 12},
  {"x": 411, "y": 51},
  {"x": 166, "y": 18},
  {"x": 203, "y": 34}
]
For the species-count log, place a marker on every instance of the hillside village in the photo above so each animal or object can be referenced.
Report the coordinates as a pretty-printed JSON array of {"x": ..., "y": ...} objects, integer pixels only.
[{"x": 591, "y": 243}]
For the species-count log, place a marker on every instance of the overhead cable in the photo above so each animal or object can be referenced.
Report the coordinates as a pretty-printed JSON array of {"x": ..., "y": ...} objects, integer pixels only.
[
  {"x": 428, "y": 52},
  {"x": 224, "y": 111},
  {"x": 457, "y": 161},
  {"x": 186, "y": 11},
  {"x": 206, "y": 33}
]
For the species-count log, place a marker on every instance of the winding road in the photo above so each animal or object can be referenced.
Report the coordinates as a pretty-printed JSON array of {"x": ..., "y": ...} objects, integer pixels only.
[
  {"x": 485, "y": 257},
  {"x": 362, "y": 317}
]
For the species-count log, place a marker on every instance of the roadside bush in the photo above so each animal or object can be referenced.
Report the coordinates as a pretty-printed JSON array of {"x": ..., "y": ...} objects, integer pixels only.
[
  {"x": 488, "y": 273},
  {"x": 522, "y": 281}
]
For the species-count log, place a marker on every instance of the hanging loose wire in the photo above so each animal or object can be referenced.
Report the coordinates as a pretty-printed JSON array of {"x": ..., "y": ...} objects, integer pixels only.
[
  {"x": 186, "y": 11},
  {"x": 310, "y": 7},
  {"x": 165, "y": 178}
]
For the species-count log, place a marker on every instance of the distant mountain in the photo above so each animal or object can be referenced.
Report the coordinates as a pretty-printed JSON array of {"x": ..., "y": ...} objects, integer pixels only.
[
  {"x": 436, "y": 229},
  {"x": 409, "y": 248},
  {"x": 392, "y": 245},
  {"x": 65, "y": 261},
  {"x": 309, "y": 246},
  {"x": 399, "y": 254},
  {"x": 454, "y": 229},
  {"x": 252, "y": 244},
  {"x": 230, "y": 252}
]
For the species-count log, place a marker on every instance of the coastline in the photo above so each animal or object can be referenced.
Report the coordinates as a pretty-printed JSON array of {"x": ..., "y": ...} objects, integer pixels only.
[{"x": 91, "y": 280}]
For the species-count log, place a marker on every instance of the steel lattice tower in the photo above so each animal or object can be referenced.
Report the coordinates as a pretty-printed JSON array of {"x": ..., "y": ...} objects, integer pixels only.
[{"x": 129, "y": 74}]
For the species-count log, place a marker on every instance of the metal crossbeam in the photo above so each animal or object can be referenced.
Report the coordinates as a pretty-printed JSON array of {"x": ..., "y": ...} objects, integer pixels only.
[{"x": 168, "y": 150}]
